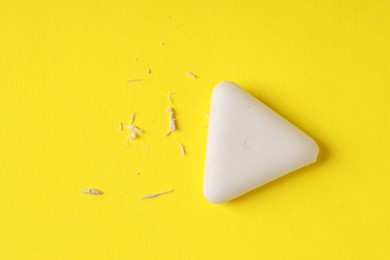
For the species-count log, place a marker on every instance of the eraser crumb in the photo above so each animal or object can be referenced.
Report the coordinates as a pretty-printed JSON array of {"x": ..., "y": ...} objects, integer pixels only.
[
  {"x": 172, "y": 123},
  {"x": 183, "y": 150},
  {"x": 191, "y": 74},
  {"x": 133, "y": 80},
  {"x": 92, "y": 191},
  {"x": 132, "y": 118},
  {"x": 170, "y": 97},
  {"x": 154, "y": 195},
  {"x": 134, "y": 129}
]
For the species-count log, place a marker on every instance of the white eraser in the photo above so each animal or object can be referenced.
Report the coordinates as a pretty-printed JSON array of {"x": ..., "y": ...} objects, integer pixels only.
[{"x": 249, "y": 145}]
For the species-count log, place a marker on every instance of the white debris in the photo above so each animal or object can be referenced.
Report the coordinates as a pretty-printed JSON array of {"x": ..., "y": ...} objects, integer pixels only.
[
  {"x": 170, "y": 97},
  {"x": 135, "y": 129},
  {"x": 133, "y": 135},
  {"x": 92, "y": 191},
  {"x": 171, "y": 121},
  {"x": 191, "y": 74},
  {"x": 154, "y": 195},
  {"x": 183, "y": 150},
  {"x": 133, "y": 80},
  {"x": 132, "y": 118}
]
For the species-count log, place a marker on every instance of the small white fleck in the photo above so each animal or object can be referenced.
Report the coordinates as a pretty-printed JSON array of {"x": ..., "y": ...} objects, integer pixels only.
[
  {"x": 133, "y": 80},
  {"x": 134, "y": 129},
  {"x": 170, "y": 97},
  {"x": 92, "y": 191},
  {"x": 171, "y": 121},
  {"x": 154, "y": 195},
  {"x": 191, "y": 74},
  {"x": 206, "y": 115},
  {"x": 133, "y": 117},
  {"x": 183, "y": 151},
  {"x": 133, "y": 135}
]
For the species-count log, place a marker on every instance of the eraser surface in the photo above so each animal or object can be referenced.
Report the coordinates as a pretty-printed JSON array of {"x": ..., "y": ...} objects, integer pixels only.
[{"x": 249, "y": 145}]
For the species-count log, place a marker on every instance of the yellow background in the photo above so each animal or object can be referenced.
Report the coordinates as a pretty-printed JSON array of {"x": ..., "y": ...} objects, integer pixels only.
[{"x": 324, "y": 65}]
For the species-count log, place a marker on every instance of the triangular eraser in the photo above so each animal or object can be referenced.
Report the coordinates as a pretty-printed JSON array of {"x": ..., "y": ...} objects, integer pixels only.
[{"x": 249, "y": 145}]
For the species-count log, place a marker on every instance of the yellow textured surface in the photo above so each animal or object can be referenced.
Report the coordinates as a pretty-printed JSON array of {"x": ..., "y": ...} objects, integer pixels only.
[{"x": 324, "y": 65}]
